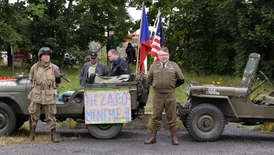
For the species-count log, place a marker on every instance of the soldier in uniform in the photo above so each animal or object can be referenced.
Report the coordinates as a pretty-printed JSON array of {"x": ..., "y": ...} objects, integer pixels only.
[
  {"x": 164, "y": 76},
  {"x": 45, "y": 78}
]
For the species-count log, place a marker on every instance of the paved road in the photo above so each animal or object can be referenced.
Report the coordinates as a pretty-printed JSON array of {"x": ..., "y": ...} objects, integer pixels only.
[{"x": 234, "y": 140}]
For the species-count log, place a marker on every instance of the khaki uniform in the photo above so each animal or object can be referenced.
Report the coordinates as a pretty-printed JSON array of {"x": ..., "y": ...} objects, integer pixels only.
[
  {"x": 163, "y": 81},
  {"x": 43, "y": 92}
]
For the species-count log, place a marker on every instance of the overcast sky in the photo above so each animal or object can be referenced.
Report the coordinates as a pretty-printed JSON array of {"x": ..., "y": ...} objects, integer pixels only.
[{"x": 135, "y": 14}]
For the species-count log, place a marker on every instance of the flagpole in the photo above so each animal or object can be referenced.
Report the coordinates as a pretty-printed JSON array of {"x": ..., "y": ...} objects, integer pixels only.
[
  {"x": 156, "y": 20},
  {"x": 138, "y": 48}
]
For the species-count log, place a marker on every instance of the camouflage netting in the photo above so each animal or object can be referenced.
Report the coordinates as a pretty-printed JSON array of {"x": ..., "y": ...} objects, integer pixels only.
[{"x": 142, "y": 88}]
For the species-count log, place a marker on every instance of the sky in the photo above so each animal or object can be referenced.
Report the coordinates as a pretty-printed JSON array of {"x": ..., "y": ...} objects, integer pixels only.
[{"x": 135, "y": 14}]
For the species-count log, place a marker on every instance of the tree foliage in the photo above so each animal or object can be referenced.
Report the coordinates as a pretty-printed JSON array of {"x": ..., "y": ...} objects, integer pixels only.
[
  {"x": 204, "y": 37},
  {"x": 65, "y": 26},
  {"x": 216, "y": 36}
]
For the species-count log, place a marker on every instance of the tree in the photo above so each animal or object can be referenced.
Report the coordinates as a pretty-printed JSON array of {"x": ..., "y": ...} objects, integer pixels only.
[
  {"x": 215, "y": 37},
  {"x": 12, "y": 26},
  {"x": 72, "y": 28}
]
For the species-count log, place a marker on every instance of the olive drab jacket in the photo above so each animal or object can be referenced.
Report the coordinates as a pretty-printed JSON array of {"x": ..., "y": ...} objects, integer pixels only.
[
  {"x": 164, "y": 79},
  {"x": 43, "y": 83}
]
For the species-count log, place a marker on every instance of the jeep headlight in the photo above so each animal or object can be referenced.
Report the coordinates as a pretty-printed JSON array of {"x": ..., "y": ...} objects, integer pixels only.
[{"x": 188, "y": 90}]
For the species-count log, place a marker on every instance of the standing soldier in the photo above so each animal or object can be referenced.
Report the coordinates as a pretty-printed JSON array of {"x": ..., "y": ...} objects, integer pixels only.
[
  {"x": 45, "y": 78},
  {"x": 164, "y": 76}
]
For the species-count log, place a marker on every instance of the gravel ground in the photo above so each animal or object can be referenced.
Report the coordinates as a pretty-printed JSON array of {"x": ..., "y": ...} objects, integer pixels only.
[{"x": 234, "y": 140}]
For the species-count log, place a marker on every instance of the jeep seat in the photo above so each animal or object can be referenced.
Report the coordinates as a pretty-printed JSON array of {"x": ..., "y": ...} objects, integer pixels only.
[
  {"x": 64, "y": 97},
  {"x": 267, "y": 99}
]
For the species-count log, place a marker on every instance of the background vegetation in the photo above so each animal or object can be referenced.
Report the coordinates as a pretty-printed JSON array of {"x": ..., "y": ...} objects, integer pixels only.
[{"x": 204, "y": 37}]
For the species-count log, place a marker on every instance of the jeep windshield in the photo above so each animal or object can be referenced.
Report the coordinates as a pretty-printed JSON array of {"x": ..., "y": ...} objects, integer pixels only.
[{"x": 250, "y": 66}]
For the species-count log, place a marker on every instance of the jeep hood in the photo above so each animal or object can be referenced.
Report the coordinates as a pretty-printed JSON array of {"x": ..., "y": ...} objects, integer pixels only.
[
  {"x": 216, "y": 90},
  {"x": 18, "y": 84}
]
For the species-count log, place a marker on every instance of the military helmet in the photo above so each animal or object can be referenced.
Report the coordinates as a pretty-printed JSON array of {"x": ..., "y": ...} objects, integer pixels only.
[{"x": 44, "y": 50}]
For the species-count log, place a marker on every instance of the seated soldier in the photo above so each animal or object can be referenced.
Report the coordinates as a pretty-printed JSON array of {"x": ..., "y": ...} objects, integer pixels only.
[{"x": 93, "y": 66}]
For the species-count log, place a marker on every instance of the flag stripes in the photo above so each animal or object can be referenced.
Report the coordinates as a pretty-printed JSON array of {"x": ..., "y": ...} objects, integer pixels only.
[{"x": 158, "y": 41}]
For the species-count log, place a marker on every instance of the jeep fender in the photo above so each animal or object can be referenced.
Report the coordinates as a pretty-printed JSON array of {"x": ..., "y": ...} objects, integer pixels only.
[
  {"x": 222, "y": 102},
  {"x": 15, "y": 104}
]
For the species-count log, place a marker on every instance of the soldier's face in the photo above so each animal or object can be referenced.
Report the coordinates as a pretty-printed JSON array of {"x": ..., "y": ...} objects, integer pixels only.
[
  {"x": 163, "y": 56},
  {"x": 45, "y": 58}
]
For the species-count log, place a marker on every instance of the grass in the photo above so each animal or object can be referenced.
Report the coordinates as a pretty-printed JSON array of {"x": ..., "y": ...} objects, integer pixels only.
[
  {"x": 73, "y": 74},
  {"x": 21, "y": 136}
]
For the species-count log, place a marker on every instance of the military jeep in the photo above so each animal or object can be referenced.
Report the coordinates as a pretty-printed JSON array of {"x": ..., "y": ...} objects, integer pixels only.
[
  {"x": 210, "y": 107},
  {"x": 104, "y": 106}
]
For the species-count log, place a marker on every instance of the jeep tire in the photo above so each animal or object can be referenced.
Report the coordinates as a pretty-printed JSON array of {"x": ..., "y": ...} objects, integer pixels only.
[
  {"x": 104, "y": 131},
  {"x": 7, "y": 119},
  {"x": 205, "y": 122}
]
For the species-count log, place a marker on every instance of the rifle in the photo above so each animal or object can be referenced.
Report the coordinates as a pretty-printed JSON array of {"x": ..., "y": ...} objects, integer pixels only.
[{"x": 64, "y": 76}]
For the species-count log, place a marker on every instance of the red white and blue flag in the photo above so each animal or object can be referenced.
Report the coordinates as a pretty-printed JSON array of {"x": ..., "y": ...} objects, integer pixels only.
[
  {"x": 145, "y": 43},
  {"x": 158, "y": 41}
]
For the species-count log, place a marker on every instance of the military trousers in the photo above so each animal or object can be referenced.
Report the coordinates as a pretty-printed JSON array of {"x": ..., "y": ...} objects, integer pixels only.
[
  {"x": 50, "y": 111},
  {"x": 167, "y": 102}
]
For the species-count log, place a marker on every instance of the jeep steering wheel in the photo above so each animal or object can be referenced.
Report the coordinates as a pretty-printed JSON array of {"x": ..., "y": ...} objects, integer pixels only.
[{"x": 267, "y": 79}]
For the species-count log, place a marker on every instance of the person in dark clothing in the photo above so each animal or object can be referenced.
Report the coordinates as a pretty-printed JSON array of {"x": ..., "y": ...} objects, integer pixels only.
[
  {"x": 118, "y": 65},
  {"x": 131, "y": 54},
  {"x": 93, "y": 66}
]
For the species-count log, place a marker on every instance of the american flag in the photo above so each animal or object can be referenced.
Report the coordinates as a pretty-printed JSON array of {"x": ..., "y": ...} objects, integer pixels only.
[{"x": 158, "y": 41}]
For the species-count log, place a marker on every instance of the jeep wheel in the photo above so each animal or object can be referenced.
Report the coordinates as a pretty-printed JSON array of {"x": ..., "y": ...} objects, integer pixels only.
[
  {"x": 7, "y": 119},
  {"x": 104, "y": 131},
  {"x": 205, "y": 122}
]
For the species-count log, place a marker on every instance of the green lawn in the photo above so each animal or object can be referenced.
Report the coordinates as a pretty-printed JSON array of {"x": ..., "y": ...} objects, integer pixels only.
[{"x": 73, "y": 74}]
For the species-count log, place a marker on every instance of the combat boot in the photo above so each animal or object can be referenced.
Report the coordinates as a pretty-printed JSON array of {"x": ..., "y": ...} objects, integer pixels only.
[
  {"x": 54, "y": 136},
  {"x": 152, "y": 138},
  {"x": 174, "y": 136},
  {"x": 32, "y": 130}
]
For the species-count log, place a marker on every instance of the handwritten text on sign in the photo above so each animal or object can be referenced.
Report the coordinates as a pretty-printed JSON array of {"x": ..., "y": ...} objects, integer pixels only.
[{"x": 104, "y": 107}]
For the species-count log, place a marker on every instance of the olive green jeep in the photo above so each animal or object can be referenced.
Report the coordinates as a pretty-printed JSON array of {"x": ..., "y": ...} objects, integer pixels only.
[
  {"x": 210, "y": 107},
  {"x": 104, "y": 105}
]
